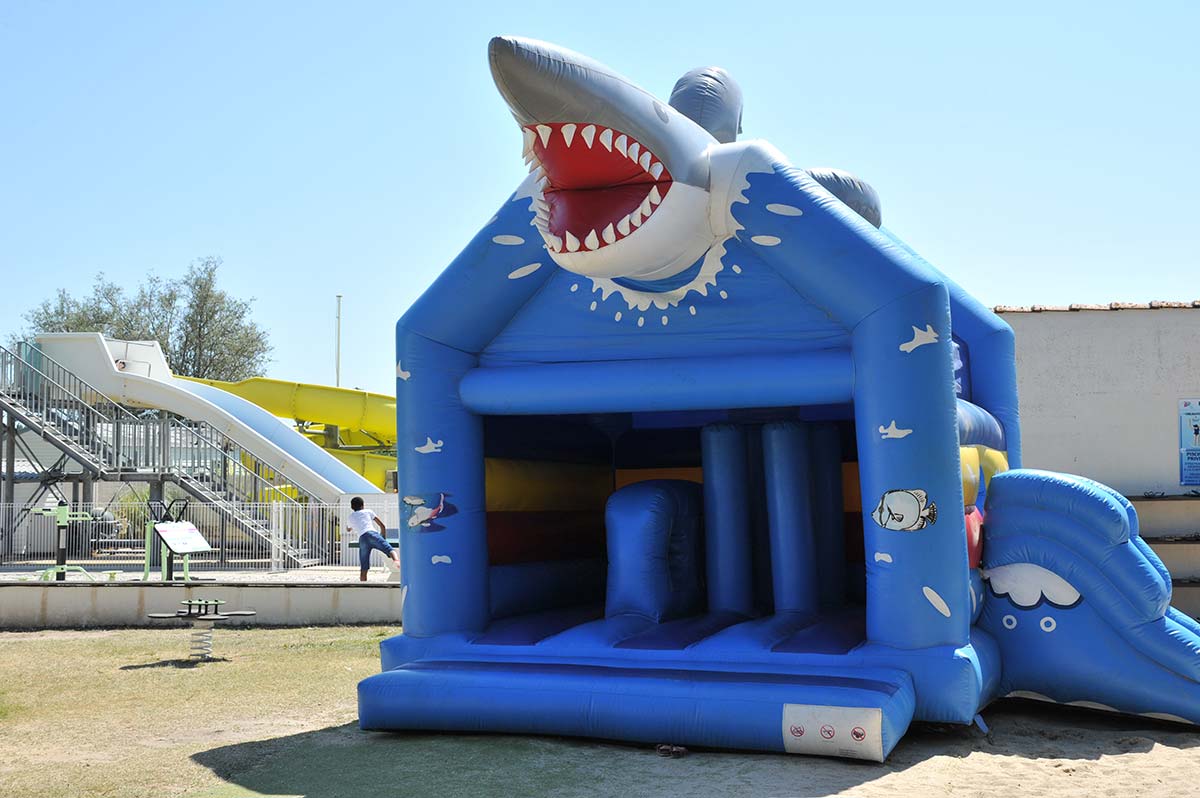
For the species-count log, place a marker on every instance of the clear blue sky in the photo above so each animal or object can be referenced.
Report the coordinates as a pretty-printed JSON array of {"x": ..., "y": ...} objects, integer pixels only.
[{"x": 354, "y": 147}]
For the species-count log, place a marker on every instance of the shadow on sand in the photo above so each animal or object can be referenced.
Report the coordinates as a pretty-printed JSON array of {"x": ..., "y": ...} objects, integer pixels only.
[{"x": 344, "y": 761}]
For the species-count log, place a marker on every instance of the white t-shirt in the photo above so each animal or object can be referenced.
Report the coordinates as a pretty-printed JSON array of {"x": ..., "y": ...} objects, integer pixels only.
[{"x": 361, "y": 521}]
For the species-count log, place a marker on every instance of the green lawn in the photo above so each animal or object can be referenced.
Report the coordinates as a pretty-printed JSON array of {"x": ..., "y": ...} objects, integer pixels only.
[{"x": 119, "y": 713}]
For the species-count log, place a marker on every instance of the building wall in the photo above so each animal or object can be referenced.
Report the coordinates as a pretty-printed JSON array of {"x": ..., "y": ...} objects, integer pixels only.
[{"x": 1099, "y": 392}]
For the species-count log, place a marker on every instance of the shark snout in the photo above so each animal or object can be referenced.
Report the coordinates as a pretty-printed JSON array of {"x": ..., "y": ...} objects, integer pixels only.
[{"x": 544, "y": 83}]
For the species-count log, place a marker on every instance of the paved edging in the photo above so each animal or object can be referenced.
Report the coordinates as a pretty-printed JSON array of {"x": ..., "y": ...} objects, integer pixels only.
[{"x": 35, "y": 605}]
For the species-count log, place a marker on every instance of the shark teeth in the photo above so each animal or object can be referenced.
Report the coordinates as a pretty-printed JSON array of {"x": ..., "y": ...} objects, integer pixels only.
[{"x": 561, "y": 137}]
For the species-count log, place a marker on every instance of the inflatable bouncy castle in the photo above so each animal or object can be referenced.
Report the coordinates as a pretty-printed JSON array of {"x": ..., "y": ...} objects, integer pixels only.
[{"x": 693, "y": 450}]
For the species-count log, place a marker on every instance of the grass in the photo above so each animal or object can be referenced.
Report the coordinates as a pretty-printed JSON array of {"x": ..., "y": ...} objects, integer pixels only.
[{"x": 122, "y": 713}]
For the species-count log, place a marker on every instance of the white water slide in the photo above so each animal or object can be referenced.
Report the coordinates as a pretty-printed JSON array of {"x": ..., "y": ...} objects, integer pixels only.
[{"x": 136, "y": 373}]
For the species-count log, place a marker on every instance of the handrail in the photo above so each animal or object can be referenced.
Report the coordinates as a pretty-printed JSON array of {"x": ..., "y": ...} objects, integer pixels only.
[
  {"x": 139, "y": 443},
  {"x": 120, "y": 409},
  {"x": 234, "y": 470}
]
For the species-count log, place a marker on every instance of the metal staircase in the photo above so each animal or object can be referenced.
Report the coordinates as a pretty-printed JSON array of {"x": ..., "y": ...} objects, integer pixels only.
[{"x": 112, "y": 443}]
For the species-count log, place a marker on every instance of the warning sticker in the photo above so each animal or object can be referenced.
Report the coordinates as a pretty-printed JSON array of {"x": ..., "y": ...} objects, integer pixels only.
[{"x": 854, "y": 732}]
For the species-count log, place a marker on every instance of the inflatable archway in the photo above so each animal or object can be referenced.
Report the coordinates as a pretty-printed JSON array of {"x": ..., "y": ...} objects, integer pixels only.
[{"x": 693, "y": 450}]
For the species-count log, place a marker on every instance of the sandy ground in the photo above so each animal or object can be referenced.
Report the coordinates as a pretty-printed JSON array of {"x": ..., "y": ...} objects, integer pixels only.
[{"x": 117, "y": 713}]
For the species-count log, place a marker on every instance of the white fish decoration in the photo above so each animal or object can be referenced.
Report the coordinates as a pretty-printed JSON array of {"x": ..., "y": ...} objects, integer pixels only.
[
  {"x": 892, "y": 431},
  {"x": 905, "y": 510},
  {"x": 429, "y": 446},
  {"x": 423, "y": 515},
  {"x": 920, "y": 338}
]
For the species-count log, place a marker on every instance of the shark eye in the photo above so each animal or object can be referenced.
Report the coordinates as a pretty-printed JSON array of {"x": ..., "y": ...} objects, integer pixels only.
[{"x": 662, "y": 112}]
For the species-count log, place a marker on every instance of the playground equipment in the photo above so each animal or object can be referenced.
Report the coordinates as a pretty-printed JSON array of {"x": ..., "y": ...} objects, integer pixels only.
[
  {"x": 808, "y": 535},
  {"x": 63, "y": 517},
  {"x": 203, "y": 614},
  {"x": 136, "y": 373}
]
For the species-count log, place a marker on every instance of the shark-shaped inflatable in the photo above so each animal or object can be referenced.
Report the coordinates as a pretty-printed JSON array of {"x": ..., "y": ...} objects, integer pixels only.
[{"x": 671, "y": 387}]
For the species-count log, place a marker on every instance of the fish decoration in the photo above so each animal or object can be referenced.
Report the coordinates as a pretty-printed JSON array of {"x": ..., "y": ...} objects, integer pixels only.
[{"x": 905, "y": 510}]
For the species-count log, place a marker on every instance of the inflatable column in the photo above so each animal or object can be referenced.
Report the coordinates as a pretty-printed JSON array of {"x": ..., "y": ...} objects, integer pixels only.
[
  {"x": 787, "y": 452},
  {"x": 828, "y": 515},
  {"x": 727, "y": 520}
]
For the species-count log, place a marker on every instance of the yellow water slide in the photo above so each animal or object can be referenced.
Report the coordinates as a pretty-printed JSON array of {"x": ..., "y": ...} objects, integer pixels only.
[{"x": 357, "y": 427}]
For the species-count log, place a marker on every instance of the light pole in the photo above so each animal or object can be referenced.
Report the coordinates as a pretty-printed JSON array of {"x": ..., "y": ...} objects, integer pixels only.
[{"x": 337, "y": 345}]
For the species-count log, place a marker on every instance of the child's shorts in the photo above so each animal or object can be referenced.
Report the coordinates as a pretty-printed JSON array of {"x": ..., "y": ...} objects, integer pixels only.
[{"x": 368, "y": 541}]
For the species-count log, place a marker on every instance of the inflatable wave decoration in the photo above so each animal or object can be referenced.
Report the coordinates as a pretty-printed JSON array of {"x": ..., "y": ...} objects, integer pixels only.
[{"x": 693, "y": 450}]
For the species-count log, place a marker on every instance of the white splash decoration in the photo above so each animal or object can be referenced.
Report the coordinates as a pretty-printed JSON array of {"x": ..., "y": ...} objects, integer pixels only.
[
  {"x": 574, "y": 287},
  {"x": 937, "y": 601},
  {"x": 767, "y": 241},
  {"x": 642, "y": 300},
  {"x": 692, "y": 309},
  {"x": 440, "y": 558},
  {"x": 592, "y": 306},
  {"x": 736, "y": 269},
  {"x": 920, "y": 338},
  {"x": 1027, "y": 584},
  {"x": 734, "y": 164},
  {"x": 882, "y": 556},
  {"x": 430, "y": 446},
  {"x": 893, "y": 432},
  {"x": 401, "y": 373},
  {"x": 524, "y": 271},
  {"x": 507, "y": 240},
  {"x": 617, "y": 316},
  {"x": 724, "y": 294},
  {"x": 780, "y": 209},
  {"x": 664, "y": 321}
]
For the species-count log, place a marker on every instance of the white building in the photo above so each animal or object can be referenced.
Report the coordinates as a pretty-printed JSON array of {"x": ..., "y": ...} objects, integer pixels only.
[{"x": 1100, "y": 389}]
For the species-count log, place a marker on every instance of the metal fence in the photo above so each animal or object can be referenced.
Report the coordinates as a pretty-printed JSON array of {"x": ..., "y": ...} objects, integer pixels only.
[{"x": 285, "y": 535}]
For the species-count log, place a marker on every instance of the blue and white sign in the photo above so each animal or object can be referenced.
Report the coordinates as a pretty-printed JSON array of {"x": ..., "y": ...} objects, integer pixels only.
[{"x": 1189, "y": 441}]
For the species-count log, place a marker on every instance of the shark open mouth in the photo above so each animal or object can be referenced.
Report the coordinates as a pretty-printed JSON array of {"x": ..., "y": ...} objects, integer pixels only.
[{"x": 597, "y": 185}]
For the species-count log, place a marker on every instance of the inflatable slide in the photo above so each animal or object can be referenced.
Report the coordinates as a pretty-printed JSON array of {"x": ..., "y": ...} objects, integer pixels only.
[{"x": 814, "y": 527}]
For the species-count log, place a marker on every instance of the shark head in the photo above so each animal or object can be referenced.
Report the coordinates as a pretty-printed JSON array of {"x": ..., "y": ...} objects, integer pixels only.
[{"x": 621, "y": 180}]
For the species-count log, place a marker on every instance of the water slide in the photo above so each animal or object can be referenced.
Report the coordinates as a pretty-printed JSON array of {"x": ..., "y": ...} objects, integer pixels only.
[
  {"x": 136, "y": 373},
  {"x": 363, "y": 420},
  {"x": 1080, "y": 605}
]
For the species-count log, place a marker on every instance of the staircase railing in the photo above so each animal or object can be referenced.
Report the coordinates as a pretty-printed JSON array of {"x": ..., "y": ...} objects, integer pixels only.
[{"x": 201, "y": 458}]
